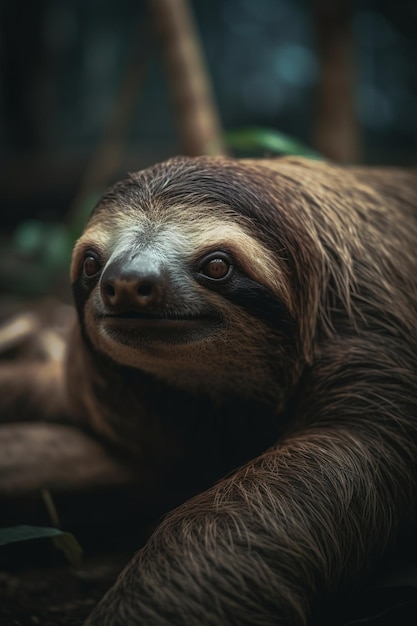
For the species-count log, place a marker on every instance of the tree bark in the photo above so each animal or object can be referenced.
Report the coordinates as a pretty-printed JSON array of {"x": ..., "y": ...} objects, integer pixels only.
[
  {"x": 336, "y": 133},
  {"x": 197, "y": 117}
]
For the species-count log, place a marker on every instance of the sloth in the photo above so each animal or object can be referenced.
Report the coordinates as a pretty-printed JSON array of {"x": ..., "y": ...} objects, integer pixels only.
[{"x": 247, "y": 334}]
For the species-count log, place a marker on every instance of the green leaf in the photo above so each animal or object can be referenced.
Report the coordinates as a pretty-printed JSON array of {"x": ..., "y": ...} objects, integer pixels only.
[
  {"x": 66, "y": 542},
  {"x": 263, "y": 139},
  {"x": 50, "y": 242},
  {"x": 28, "y": 236}
]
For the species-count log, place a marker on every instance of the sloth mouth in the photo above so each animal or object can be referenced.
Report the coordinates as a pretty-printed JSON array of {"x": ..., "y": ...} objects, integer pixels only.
[{"x": 159, "y": 325}]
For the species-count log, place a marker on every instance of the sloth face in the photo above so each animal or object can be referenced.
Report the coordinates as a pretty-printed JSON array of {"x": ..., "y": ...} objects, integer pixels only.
[{"x": 185, "y": 293}]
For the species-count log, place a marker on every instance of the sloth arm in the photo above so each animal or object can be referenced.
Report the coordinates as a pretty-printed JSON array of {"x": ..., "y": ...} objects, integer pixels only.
[{"x": 265, "y": 545}]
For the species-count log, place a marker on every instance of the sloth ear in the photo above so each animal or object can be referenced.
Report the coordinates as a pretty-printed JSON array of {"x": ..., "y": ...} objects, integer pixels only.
[
  {"x": 321, "y": 285},
  {"x": 307, "y": 323},
  {"x": 307, "y": 285},
  {"x": 308, "y": 314}
]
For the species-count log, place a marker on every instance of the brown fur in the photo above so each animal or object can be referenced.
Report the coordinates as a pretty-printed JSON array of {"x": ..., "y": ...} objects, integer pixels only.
[{"x": 317, "y": 404}]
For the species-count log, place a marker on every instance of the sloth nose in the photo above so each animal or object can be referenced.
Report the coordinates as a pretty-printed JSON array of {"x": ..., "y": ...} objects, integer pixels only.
[{"x": 135, "y": 284}]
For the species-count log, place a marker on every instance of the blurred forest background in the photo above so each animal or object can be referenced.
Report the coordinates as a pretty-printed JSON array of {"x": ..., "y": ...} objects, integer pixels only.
[
  {"x": 89, "y": 92},
  {"x": 92, "y": 89}
]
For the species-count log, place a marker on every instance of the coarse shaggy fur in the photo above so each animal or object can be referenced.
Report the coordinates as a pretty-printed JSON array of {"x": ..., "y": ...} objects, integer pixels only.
[{"x": 294, "y": 423}]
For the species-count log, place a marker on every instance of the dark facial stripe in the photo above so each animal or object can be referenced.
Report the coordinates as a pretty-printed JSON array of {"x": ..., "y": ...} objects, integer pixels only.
[
  {"x": 81, "y": 290},
  {"x": 255, "y": 299}
]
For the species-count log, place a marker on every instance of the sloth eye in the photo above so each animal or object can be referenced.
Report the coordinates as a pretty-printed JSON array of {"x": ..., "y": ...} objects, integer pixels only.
[
  {"x": 91, "y": 265},
  {"x": 217, "y": 267}
]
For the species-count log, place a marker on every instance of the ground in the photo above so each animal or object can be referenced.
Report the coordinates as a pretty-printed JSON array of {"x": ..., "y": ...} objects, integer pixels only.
[{"x": 56, "y": 595}]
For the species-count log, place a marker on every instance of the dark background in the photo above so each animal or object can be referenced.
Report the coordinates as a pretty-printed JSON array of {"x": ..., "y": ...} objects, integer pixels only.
[{"x": 62, "y": 62}]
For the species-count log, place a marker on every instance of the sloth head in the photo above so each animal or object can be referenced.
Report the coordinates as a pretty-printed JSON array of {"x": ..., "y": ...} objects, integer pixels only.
[{"x": 189, "y": 271}]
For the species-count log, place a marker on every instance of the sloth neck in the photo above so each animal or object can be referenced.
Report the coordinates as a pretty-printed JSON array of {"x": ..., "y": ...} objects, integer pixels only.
[{"x": 164, "y": 428}]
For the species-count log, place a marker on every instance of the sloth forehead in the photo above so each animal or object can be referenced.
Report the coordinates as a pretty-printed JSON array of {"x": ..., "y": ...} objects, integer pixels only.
[{"x": 183, "y": 233}]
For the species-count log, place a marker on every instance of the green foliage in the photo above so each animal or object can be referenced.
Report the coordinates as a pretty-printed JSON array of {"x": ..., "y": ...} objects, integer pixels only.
[
  {"x": 64, "y": 541},
  {"x": 51, "y": 243},
  {"x": 255, "y": 141}
]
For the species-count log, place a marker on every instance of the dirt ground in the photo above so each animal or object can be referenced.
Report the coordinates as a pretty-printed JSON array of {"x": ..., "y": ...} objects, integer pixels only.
[
  {"x": 56, "y": 595},
  {"x": 38, "y": 585}
]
